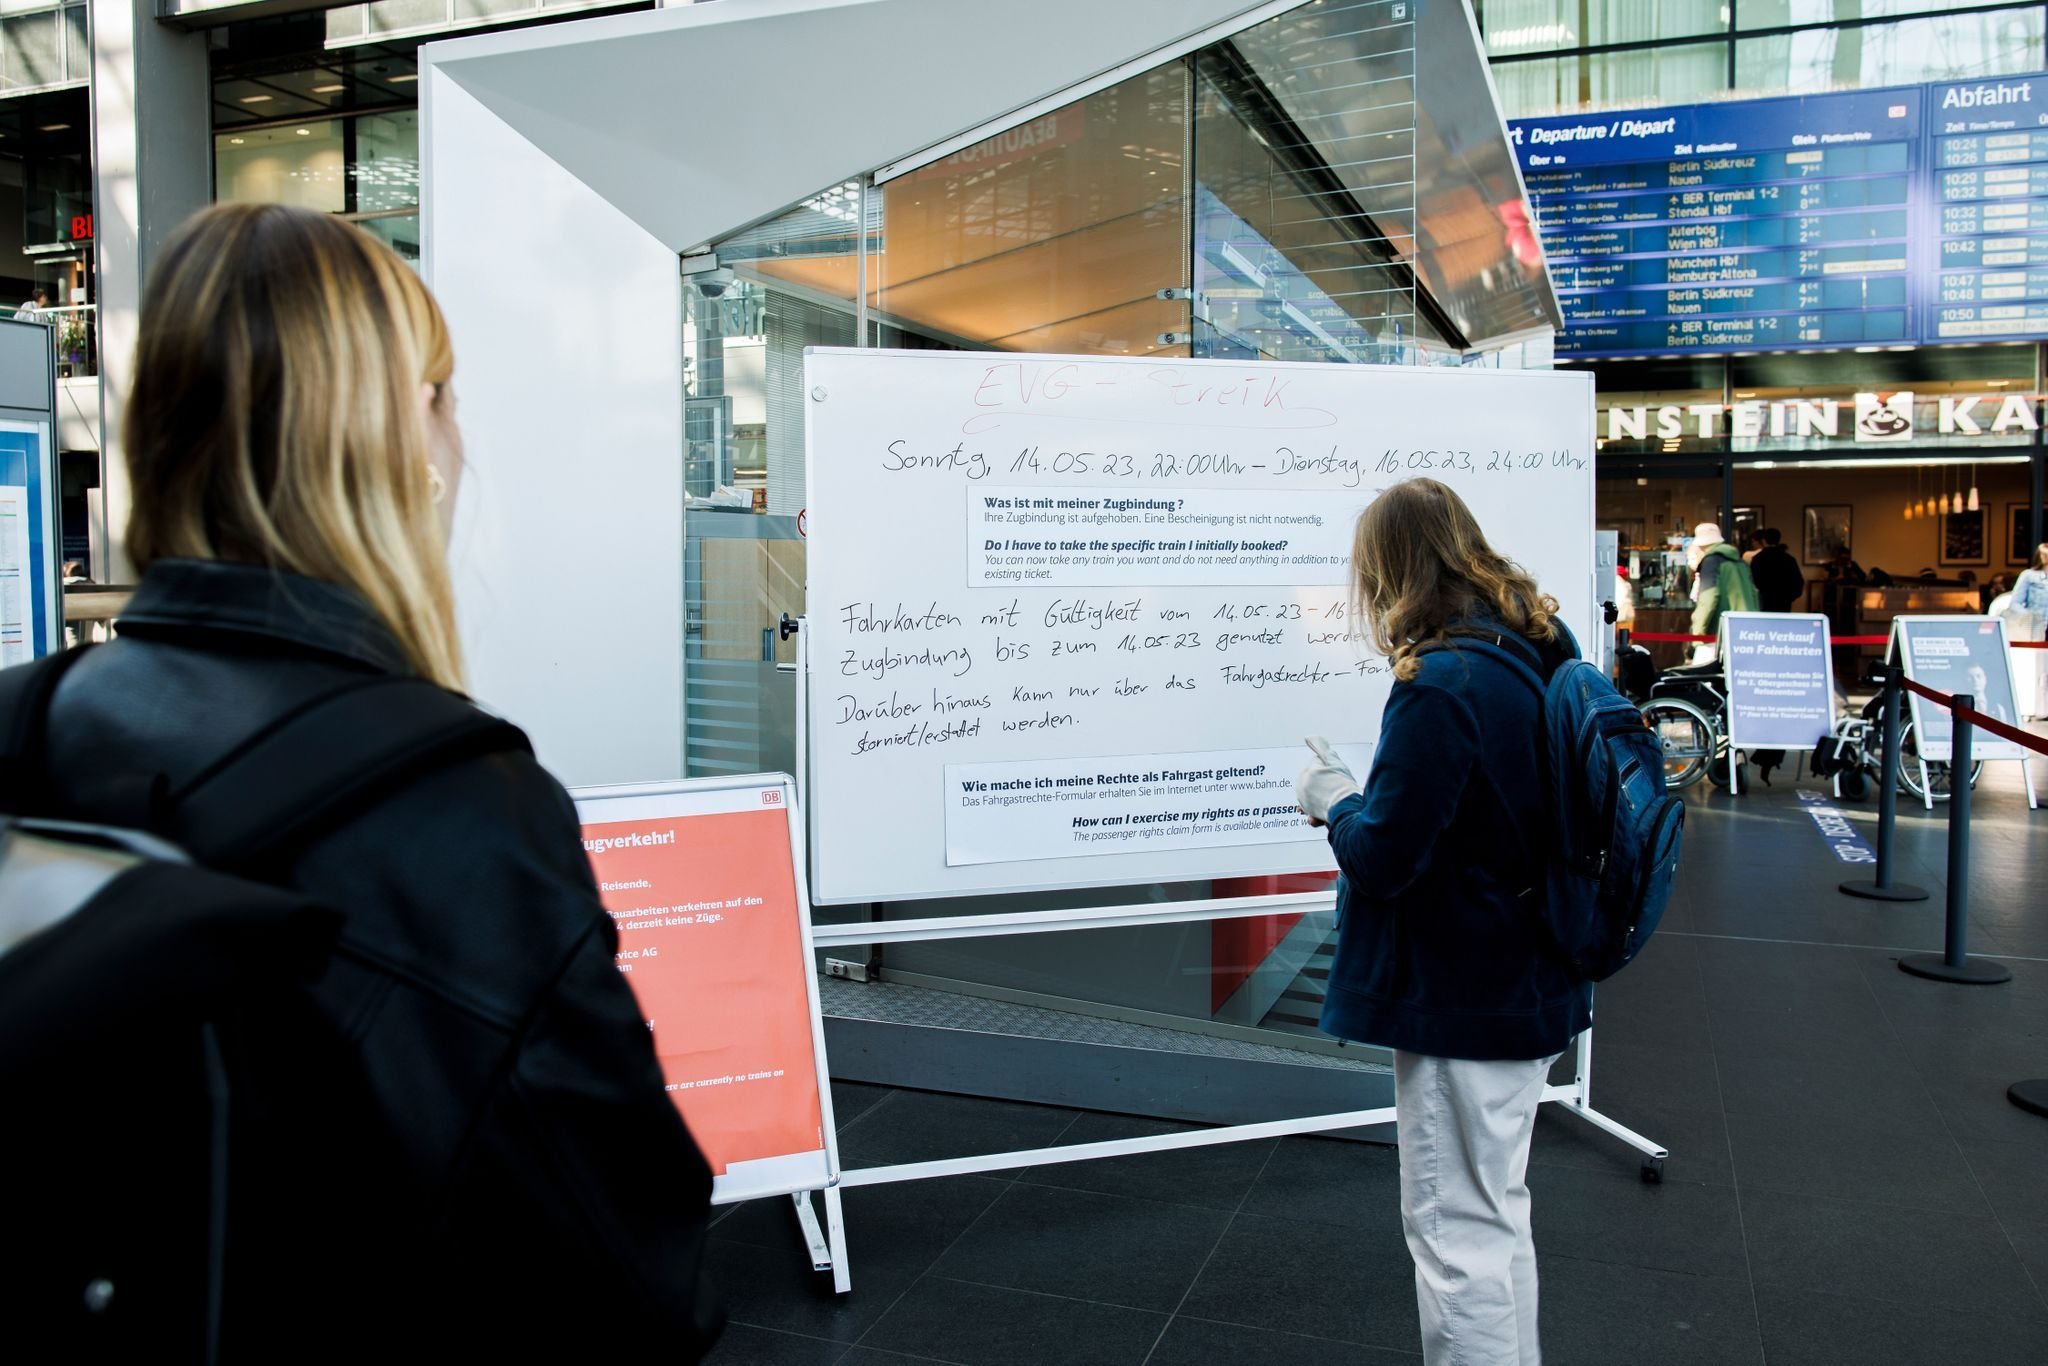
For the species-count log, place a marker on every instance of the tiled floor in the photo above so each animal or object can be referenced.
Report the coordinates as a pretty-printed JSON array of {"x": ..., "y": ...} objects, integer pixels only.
[{"x": 1847, "y": 1181}]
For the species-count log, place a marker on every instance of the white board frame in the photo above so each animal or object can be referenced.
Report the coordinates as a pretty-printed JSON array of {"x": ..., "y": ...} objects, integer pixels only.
[
  {"x": 1073, "y": 872},
  {"x": 1901, "y": 651},
  {"x": 724, "y": 1189}
]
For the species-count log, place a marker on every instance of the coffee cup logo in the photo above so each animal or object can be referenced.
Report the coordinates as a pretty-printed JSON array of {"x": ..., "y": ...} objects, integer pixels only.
[{"x": 1884, "y": 417}]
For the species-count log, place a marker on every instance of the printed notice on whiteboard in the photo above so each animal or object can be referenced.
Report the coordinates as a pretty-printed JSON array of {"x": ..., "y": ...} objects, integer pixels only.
[
  {"x": 1059, "y": 808},
  {"x": 1085, "y": 536}
]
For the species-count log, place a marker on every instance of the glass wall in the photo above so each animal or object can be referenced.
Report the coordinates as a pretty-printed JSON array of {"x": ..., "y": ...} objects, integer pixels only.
[
  {"x": 1659, "y": 75},
  {"x": 1514, "y": 26},
  {"x": 1305, "y": 195},
  {"x": 43, "y": 46},
  {"x": 364, "y": 167},
  {"x": 1553, "y": 56},
  {"x": 1945, "y": 48},
  {"x": 1066, "y": 234}
]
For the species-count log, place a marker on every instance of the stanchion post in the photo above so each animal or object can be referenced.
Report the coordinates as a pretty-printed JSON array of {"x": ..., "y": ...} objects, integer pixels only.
[
  {"x": 1955, "y": 963},
  {"x": 1883, "y": 888}
]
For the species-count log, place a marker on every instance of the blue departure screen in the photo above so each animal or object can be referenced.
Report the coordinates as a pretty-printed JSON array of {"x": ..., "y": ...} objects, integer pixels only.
[{"x": 1871, "y": 218}]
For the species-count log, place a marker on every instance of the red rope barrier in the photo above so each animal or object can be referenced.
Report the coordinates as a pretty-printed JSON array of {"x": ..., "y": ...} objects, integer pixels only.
[
  {"x": 2025, "y": 739},
  {"x": 1709, "y": 640}
]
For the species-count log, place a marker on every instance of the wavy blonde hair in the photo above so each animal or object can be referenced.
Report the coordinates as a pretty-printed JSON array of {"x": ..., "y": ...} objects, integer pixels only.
[
  {"x": 1419, "y": 563},
  {"x": 276, "y": 416}
]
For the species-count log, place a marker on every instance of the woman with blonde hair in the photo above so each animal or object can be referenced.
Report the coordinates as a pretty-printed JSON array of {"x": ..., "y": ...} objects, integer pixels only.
[
  {"x": 456, "y": 1140},
  {"x": 1442, "y": 955}
]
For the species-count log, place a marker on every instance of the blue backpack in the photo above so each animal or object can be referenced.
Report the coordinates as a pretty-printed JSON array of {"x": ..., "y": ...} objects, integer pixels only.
[{"x": 1615, "y": 829}]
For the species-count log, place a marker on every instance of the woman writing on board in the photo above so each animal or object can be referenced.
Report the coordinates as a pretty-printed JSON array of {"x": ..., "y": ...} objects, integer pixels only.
[
  {"x": 454, "y": 1142},
  {"x": 1441, "y": 957}
]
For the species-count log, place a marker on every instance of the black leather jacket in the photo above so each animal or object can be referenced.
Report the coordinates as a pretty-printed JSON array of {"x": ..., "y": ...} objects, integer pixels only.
[{"x": 540, "y": 1191}]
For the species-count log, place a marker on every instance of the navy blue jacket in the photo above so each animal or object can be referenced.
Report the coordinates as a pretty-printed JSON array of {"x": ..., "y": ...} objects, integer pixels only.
[{"x": 1440, "y": 948}]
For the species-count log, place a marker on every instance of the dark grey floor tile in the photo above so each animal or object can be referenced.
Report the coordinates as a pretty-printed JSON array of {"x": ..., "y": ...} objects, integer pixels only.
[
  {"x": 1696, "y": 1138},
  {"x": 1680, "y": 1078},
  {"x": 1613, "y": 1217},
  {"x": 743, "y": 1345},
  {"x": 1215, "y": 1176},
  {"x": 1821, "y": 1157},
  {"x": 1140, "y": 1253},
  {"x": 2030, "y": 1242},
  {"x": 1870, "y": 1095},
  {"x": 765, "y": 1287},
  {"x": 1199, "y": 1342},
  {"x": 1806, "y": 1031},
  {"x": 2014, "y": 1177},
  {"x": 1941, "y": 1051},
  {"x": 1975, "y": 1109},
  {"x": 852, "y": 1099},
  {"x": 1352, "y": 1284},
  {"x": 896, "y": 1230},
  {"x": 980, "y": 1325},
  {"x": 1963, "y": 1262},
  {"x": 1329, "y": 1181},
  {"x": 1803, "y": 1329},
  {"x": 1600, "y": 1314},
  {"x": 923, "y": 1126},
  {"x": 870, "y": 1356}
]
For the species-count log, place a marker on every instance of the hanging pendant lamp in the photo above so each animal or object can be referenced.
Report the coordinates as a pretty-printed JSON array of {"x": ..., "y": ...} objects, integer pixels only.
[{"x": 1974, "y": 504}]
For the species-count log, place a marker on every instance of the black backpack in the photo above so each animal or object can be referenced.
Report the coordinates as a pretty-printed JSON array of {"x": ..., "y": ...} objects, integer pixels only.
[{"x": 121, "y": 951}]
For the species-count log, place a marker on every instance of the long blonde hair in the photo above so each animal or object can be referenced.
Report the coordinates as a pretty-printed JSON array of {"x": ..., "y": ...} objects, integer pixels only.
[
  {"x": 1419, "y": 563},
  {"x": 276, "y": 416}
]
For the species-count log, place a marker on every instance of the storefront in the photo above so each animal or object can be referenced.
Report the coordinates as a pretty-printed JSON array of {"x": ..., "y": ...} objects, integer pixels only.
[{"x": 1921, "y": 465}]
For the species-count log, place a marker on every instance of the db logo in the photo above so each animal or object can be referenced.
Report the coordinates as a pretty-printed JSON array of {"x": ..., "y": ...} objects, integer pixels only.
[{"x": 772, "y": 797}]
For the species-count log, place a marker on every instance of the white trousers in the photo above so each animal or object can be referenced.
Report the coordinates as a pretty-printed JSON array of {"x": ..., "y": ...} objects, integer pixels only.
[{"x": 1464, "y": 1135}]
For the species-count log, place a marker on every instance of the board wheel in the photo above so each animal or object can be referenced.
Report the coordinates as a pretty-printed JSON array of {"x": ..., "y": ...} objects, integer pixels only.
[{"x": 1653, "y": 1171}]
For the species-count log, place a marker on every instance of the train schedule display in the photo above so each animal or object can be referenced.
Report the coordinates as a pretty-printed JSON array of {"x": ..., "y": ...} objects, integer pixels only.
[{"x": 1893, "y": 217}]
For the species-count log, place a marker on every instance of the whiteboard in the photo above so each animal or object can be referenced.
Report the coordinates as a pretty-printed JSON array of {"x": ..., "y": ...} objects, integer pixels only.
[{"x": 1068, "y": 619}]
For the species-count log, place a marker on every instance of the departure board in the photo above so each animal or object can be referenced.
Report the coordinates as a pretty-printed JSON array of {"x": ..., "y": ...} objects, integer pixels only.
[
  {"x": 1887, "y": 217},
  {"x": 1988, "y": 211},
  {"x": 1765, "y": 225}
]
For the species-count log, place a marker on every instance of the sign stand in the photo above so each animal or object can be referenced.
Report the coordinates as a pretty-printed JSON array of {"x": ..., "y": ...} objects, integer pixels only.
[
  {"x": 828, "y": 1247},
  {"x": 715, "y": 938},
  {"x": 1780, "y": 678},
  {"x": 1959, "y": 655}
]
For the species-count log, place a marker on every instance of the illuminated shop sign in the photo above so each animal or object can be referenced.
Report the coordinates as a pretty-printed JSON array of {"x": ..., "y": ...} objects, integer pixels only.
[{"x": 1882, "y": 417}]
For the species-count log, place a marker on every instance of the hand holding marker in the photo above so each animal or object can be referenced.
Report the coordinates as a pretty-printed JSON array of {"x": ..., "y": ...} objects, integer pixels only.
[{"x": 1323, "y": 782}]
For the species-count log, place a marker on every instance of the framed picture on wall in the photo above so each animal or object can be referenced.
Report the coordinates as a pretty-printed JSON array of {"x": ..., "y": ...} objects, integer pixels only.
[
  {"x": 1828, "y": 528},
  {"x": 1962, "y": 538},
  {"x": 1747, "y": 519},
  {"x": 2019, "y": 533}
]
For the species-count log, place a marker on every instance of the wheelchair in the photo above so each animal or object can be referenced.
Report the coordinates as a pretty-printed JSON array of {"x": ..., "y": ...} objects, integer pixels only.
[
  {"x": 1687, "y": 709},
  {"x": 1855, "y": 760}
]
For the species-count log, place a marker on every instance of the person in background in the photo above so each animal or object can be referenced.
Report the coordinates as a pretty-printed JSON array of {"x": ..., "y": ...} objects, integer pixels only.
[
  {"x": 1439, "y": 957},
  {"x": 1721, "y": 583},
  {"x": 2030, "y": 603},
  {"x": 1756, "y": 545},
  {"x": 467, "y": 1150},
  {"x": 1780, "y": 583},
  {"x": 36, "y": 309}
]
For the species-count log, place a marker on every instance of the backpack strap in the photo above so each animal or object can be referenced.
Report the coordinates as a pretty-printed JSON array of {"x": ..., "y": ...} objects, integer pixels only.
[
  {"x": 26, "y": 692},
  {"x": 1507, "y": 647},
  {"x": 317, "y": 766}
]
